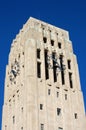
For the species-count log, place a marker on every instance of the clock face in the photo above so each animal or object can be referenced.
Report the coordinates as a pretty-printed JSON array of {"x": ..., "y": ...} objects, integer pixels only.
[{"x": 15, "y": 69}]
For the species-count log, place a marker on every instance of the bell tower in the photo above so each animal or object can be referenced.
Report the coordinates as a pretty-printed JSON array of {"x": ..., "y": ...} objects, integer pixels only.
[{"x": 42, "y": 85}]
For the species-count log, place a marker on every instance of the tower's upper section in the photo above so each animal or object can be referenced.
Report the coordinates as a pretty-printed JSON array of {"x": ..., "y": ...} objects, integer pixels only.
[
  {"x": 40, "y": 38},
  {"x": 36, "y": 29},
  {"x": 60, "y": 32}
]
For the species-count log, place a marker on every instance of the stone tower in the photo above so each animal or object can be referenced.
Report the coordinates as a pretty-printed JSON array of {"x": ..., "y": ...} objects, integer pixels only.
[{"x": 42, "y": 85}]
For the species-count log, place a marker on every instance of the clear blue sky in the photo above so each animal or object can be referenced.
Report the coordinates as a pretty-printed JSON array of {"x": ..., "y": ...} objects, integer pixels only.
[{"x": 69, "y": 15}]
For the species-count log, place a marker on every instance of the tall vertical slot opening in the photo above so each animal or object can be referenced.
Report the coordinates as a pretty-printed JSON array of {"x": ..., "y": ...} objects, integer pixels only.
[
  {"x": 69, "y": 64},
  {"x": 70, "y": 80},
  {"x": 38, "y": 53},
  {"x": 54, "y": 67},
  {"x": 46, "y": 65},
  {"x": 38, "y": 69},
  {"x": 62, "y": 70}
]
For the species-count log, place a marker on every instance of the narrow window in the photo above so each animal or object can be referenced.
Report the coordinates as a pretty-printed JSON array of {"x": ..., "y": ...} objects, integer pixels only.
[
  {"x": 48, "y": 91},
  {"x": 5, "y": 127},
  {"x": 22, "y": 53},
  {"x": 41, "y": 106},
  {"x": 46, "y": 65},
  {"x": 22, "y": 109},
  {"x": 38, "y": 69},
  {"x": 57, "y": 94},
  {"x": 19, "y": 56},
  {"x": 13, "y": 119},
  {"x": 42, "y": 126},
  {"x": 23, "y": 66},
  {"x": 65, "y": 96},
  {"x": 69, "y": 64},
  {"x": 58, "y": 111},
  {"x": 7, "y": 85},
  {"x": 38, "y": 53},
  {"x": 75, "y": 115},
  {"x": 9, "y": 100},
  {"x": 14, "y": 82},
  {"x": 62, "y": 70},
  {"x": 70, "y": 80},
  {"x": 49, "y": 30},
  {"x": 57, "y": 34},
  {"x": 54, "y": 67},
  {"x": 44, "y": 39},
  {"x": 59, "y": 45},
  {"x": 21, "y": 128},
  {"x": 60, "y": 128},
  {"x": 17, "y": 91},
  {"x": 52, "y": 42}
]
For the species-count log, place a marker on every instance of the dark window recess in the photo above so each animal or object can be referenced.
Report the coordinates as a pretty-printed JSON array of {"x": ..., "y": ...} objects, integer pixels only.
[
  {"x": 58, "y": 111},
  {"x": 38, "y": 69},
  {"x": 46, "y": 65},
  {"x": 57, "y": 34},
  {"x": 57, "y": 94},
  {"x": 14, "y": 82},
  {"x": 70, "y": 80},
  {"x": 21, "y": 128},
  {"x": 5, "y": 127},
  {"x": 13, "y": 119},
  {"x": 60, "y": 128},
  {"x": 69, "y": 64},
  {"x": 52, "y": 42},
  {"x": 13, "y": 95},
  {"x": 41, "y": 106},
  {"x": 38, "y": 53},
  {"x": 44, "y": 39},
  {"x": 49, "y": 30},
  {"x": 9, "y": 100},
  {"x": 19, "y": 55},
  {"x": 65, "y": 96},
  {"x": 59, "y": 45},
  {"x": 23, "y": 66},
  {"x": 42, "y": 126},
  {"x": 62, "y": 70},
  {"x": 17, "y": 91},
  {"x": 75, "y": 115},
  {"x": 54, "y": 67},
  {"x": 48, "y": 91},
  {"x": 22, "y": 109}
]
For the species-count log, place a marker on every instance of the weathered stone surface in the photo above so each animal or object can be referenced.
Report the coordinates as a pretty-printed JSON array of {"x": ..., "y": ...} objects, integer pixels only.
[{"x": 62, "y": 106}]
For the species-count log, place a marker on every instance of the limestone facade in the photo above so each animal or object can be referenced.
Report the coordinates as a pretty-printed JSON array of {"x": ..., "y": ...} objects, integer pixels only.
[{"x": 42, "y": 85}]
